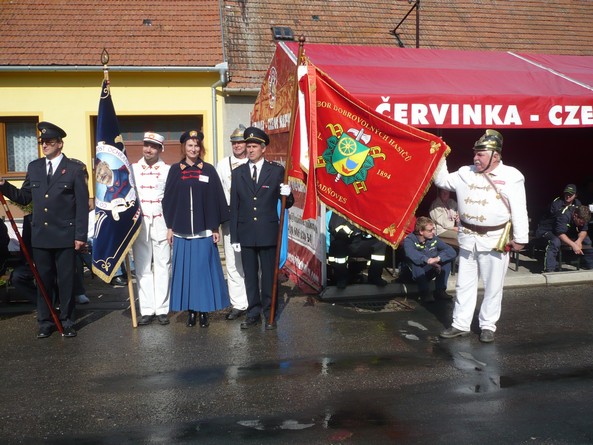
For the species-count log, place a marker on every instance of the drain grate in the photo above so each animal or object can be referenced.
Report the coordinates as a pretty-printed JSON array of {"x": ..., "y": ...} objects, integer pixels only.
[{"x": 380, "y": 306}]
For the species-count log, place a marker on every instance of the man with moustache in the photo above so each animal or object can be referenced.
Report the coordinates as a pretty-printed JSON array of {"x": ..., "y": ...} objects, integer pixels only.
[
  {"x": 234, "y": 266},
  {"x": 152, "y": 252},
  {"x": 489, "y": 194}
]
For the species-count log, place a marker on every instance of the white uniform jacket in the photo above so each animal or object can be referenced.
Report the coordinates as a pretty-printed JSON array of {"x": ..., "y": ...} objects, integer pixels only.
[
  {"x": 150, "y": 184},
  {"x": 225, "y": 168},
  {"x": 480, "y": 204},
  {"x": 234, "y": 265}
]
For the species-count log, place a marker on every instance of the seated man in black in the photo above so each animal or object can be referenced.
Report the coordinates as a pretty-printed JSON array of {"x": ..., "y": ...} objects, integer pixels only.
[
  {"x": 427, "y": 258},
  {"x": 22, "y": 277},
  {"x": 4, "y": 241},
  {"x": 347, "y": 240},
  {"x": 570, "y": 228},
  {"x": 545, "y": 228}
]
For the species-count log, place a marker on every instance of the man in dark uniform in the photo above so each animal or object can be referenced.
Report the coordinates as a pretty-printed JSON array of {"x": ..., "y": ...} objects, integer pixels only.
[
  {"x": 256, "y": 187},
  {"x": 545, "y": 228},
  {"x": 58, "y": 188},
  {"x": 427, "y": 258},
  {"x": 347, "y": 240},
  {"x": 570, "y": 228}
]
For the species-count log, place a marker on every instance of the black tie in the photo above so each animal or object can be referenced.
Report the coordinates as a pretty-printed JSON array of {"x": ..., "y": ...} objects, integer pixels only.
[
  {"x": 50, "y": 171},
  {"x": 254, "y": 177}
]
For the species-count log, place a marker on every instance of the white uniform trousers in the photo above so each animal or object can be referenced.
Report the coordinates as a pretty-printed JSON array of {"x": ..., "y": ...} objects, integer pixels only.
[
  {"x": 153, "y": 282},
  {"x": 234, "y": 272},
  {"x": 492, "y": 267}
]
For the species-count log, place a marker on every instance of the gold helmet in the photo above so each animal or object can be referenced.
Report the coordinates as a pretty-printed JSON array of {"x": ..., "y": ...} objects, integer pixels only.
[
  {"x": 237, "y": 135},
  {"x": 491, "y": 140}
]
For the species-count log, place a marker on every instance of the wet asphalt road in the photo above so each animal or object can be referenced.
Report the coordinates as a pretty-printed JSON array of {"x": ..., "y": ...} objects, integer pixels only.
[{"x": 330, "y": 374}]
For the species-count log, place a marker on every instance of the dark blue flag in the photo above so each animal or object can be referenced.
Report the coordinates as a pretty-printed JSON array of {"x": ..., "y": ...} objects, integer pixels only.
[{"x": 117, "y": 210}]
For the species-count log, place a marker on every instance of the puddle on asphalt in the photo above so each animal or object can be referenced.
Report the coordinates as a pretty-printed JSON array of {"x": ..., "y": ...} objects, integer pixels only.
[
  {"x": 355, "y": 420},
  {"x": 232, "y": 374},
  {"x": 545, "y": 376}
]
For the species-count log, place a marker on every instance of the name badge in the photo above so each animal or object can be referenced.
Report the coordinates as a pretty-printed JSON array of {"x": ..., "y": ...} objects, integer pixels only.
[{"x": 204, "y": 178}]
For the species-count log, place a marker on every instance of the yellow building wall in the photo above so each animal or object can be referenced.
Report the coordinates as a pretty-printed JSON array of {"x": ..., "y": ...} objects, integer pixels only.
[{"x": 71, "y": 99}]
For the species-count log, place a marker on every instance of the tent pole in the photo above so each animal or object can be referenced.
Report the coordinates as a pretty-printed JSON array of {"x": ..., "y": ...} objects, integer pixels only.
[{"x": 295, "y": 108}]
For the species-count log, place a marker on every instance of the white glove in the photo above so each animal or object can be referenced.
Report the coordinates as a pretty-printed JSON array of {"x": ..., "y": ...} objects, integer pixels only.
[
  {"x": 284, "y": 189},
  {"x": 236, "y": 247}
]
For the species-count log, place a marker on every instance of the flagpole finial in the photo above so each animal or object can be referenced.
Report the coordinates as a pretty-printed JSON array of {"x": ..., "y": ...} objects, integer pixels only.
[
  {"x": 104, "y": 57},
  {"x": 105, "y": 61},
  {"x": 302, "y": 60}
]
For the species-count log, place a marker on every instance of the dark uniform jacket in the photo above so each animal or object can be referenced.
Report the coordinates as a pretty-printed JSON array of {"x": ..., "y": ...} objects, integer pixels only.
[
  {"x": 60, "y": 208},
  {"x": 193, "y": 199},
  {"x": 565, "y": 224},
  {"x": 254, "y": 207},
  {"x": 418, "y": 253},
  {"x": 556, "y": 208},
  {"x": 336, "y": 221}
]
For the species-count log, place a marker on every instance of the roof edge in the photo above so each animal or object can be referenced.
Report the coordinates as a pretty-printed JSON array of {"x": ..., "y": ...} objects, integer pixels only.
[{"x": 221, "y": 67}]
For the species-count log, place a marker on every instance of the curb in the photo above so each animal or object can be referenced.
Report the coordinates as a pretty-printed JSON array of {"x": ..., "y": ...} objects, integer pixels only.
[{"x": 392, "y": 290}]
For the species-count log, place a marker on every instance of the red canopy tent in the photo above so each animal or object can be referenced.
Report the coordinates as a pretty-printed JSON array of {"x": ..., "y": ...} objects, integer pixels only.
[{"x": 434, "y": 88}]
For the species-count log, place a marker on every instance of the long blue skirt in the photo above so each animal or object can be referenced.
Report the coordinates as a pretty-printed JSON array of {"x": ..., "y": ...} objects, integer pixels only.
[{"x": 198, "y": 282}]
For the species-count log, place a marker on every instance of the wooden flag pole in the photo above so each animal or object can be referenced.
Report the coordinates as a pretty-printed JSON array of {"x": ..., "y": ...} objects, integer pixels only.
[
  {"x": 295, "y": 107},
  {"x": 105, "y": 61},
  {"x": 131, "y": 293},
  {"x": 32, "y": 265}
]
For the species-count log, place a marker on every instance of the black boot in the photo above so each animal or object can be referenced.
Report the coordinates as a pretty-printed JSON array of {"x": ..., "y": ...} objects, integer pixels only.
[
  {"x": 375, "y": 274},
  {"x": 204, "y": 323},
  {"x": 341, "y": 275},
  {"x": 191, "y": 319}
]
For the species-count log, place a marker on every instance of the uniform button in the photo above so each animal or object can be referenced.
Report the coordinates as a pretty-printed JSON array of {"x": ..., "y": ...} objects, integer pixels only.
[
  {"x": 47, "y": 196},
  {"x": 255, "y": 218},
  {"x": 45, "y": 224},
  {"x": 255, "y": 209},
  {"x": 255, "y": 198},
  {"x": 45, "y": 210}
]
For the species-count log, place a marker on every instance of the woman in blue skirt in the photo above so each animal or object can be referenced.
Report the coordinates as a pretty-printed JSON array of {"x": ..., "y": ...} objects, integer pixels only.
[{"x": 194, "y": 206}]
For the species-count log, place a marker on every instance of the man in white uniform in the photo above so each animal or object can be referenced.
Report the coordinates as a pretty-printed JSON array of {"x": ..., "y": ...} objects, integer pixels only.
[
  {"x": 489, "y": 194},
  {"x": 152, "y": 253},
  {"x": 234, "y": 266}
]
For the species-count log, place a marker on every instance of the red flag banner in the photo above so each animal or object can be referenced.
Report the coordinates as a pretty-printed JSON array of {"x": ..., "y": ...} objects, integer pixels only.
[{"x": 369, "y": 168}]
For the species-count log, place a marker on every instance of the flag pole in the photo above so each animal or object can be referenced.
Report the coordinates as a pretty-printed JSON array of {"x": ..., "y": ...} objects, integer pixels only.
[
  {"x": 105, "y": 61},
  {"x": 131, "y": 293},
  {"x": 295, "y": 107},
  {"x": 32, "y": 265}
]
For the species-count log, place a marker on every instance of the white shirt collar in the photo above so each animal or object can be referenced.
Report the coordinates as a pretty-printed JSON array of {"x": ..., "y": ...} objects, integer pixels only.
[
  {"x": 54, "y": 162},
  {"x": 258, "y": 164}
]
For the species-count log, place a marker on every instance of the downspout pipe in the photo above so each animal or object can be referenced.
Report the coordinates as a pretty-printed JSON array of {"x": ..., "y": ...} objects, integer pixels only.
[{"x": 223, "y": 69}]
